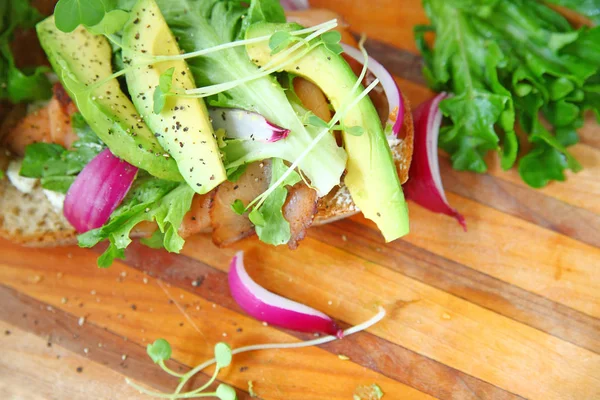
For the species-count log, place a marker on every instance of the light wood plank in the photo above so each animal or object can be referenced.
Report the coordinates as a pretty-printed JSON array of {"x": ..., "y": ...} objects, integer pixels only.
[
  {"x": 581, "y": 189},
  {"x": 106, "y": 295},
  {"x": 31, "y": 370},
  {"x": 518, "y": 252},
  {"x": 429, "y": 321}
]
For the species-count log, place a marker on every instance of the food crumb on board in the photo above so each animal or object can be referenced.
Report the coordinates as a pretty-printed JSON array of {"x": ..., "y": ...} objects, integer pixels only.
[
  {"x": 343, "y": 357},
  {"x": 145, "y": 280},
  {"x": 124, "y": 357},
  {"x": 81, "y": 321},
  {"x": 64, "y": 300},
  {"x": 86, "y": 350}
]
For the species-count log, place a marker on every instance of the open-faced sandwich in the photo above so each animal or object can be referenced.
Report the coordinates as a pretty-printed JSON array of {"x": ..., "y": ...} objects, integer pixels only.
[{"x": 171, "y": 118}]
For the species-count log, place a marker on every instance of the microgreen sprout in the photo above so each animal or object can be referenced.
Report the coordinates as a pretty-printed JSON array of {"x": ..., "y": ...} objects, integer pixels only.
[
  {"x": 238, "y": 207},
  {"x": 113, "y": 22},
  {"x": 277, "y": 63},
  {"x": 223, "y": 356},
  {"x": 339, "y": 115},
  {"x": 331, "y": 40},
  {"x": 280, "y": 40},
  {"x": 163, "y": 90},
  {"x": 69, "y": 14},
  {"x": 160, "y": 97}
]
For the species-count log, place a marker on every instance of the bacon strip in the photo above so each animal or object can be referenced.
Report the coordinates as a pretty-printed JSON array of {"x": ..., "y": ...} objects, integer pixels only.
[
  {"x": 229, "y": 227},
  {"x": 49, "y": 124},
  {"x": 299, "y": 210}
]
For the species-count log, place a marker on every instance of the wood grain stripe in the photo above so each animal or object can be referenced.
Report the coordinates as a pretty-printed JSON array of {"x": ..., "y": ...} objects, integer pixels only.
[
  {"x": 389, "y": 359},
  {"x": 449, "y": 276},
  {"x": 524, "y": 203},
  {"x": 538, "y": 260},
  {"x": 96, "y": 344},
  {"x": 132, "y": 304},
  {"x": 30, "y": 370},
  {"x": 421, "y": 318}
]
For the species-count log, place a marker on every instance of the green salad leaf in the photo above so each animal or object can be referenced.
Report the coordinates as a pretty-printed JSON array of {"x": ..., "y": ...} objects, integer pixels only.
[
  {"x": 271, "y": 226},
  {"x": 19, "y": 84},
  {"x": 507, "y": 61},
  {"x": 206, "y": 24},
  {"x": 150, "y": 199},
  {"x": 69, "y": 14},
  {"x": 56, "y": 166}
]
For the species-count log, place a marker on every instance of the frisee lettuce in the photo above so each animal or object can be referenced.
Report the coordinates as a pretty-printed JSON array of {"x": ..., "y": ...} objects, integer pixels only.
[
  {"x": 150, "y": 199},
  {"x": 206, "y": 24},
  {"x": 504, "y": 61}
]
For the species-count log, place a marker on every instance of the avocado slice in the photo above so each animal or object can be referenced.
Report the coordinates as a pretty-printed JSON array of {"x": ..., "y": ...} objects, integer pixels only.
[
  {"x": 81, "y": 59},
  {"x": 371, "y": 176},
  {"x": 183, "y": 127}
]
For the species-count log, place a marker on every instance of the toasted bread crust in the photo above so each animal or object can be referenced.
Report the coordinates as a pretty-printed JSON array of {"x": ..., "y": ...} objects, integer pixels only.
[{"x": 30, "y": 220}]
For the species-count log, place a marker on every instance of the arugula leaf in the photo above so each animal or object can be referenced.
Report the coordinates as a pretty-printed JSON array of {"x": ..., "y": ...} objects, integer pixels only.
[
  {"x": 508, "y": 60},
  {"x": 69, "y": 14},
  {"x": 150, "y": 199},
  {"x": 57, "y": 166},
  {"x": 27, "y": 84},
  {"x": 271, "y": 226}
]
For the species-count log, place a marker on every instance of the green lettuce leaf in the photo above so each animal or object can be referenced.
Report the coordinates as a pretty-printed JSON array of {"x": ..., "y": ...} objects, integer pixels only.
[
  {"x": 57, "y": 166},
  {"x": 27, "y": 84},
  {"x": 511, "y": 60},
  {"x": 150, "y": 199},
  {"x": 205, "y": 24},
  {"x": 273, "y": 228}
]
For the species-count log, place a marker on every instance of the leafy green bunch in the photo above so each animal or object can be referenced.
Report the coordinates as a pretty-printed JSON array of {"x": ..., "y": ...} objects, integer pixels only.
[
  {"x": 30, "y": 83},
  {"x": 511, "y": 61}
]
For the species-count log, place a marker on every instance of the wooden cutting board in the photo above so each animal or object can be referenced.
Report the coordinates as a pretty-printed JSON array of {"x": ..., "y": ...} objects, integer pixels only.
[{"x": 509, "y": 309}]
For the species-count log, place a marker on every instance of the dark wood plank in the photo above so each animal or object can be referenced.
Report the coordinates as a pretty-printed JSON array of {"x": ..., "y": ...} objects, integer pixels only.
[
  {"x": 63, "y": 329},
  {"x": 391, "y": 360},
  {"x": 524, "y": 203},
  {"x": 476, "y": 287}
]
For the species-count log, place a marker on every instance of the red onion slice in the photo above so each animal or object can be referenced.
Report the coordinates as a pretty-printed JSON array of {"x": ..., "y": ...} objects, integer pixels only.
[
  {"x": 391, "y": 89},
  {"x": 424, "y": 185},
  {"x": 274, "y": 309},
  {"x": 293, "y": 5},
  {"x": 242, "y": 124},
  {"x": 97, "y": 191}
]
